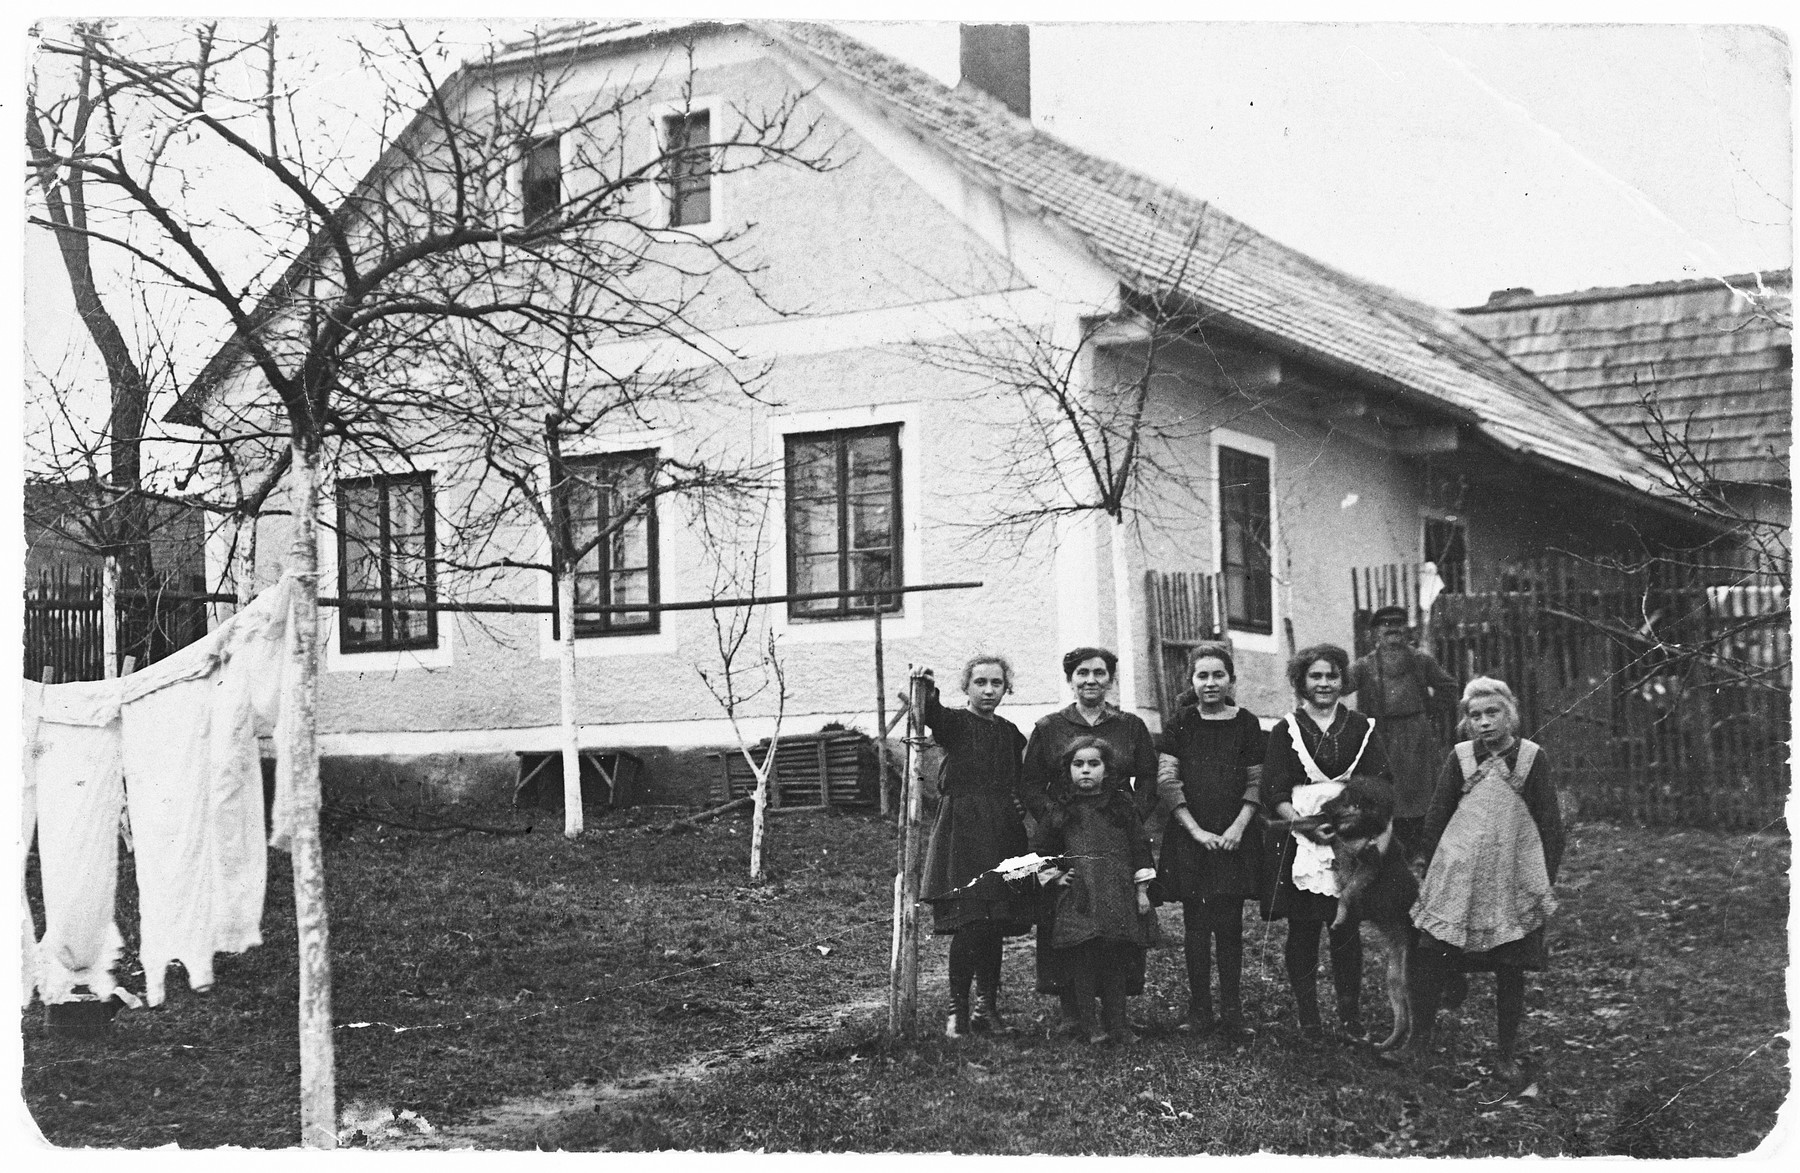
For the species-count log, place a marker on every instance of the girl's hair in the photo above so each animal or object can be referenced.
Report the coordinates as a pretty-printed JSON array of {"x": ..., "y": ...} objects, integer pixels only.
[
  {"x": 1118, "y": 804},
  {"x": 1077, "y": 657},
  {"x": 1487, "y": 687},
  {"x": 975, "y": 662},
  {"x": 1109, "y": 757},
  {"x": 1307, "y": 657},
  {"x": 1212, "y": 650}
]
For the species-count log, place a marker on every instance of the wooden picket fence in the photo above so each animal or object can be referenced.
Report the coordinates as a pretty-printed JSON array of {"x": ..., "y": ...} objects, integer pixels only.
[
  {"x": 1661, "y": 698},
  {"x": 1186, "y": 608},
  {"x": 64, "y": 631}
]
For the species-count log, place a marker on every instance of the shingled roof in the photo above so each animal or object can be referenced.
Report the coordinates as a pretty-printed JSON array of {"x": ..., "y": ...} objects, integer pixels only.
[
  {"x": 1141, "y": 229},
  {"x": 1716, "y": 355}
]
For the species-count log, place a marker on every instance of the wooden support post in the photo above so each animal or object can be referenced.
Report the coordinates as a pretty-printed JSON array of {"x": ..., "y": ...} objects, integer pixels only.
[
  {"x": 881, "y": 725},
  {"x": 903, "y": 1002},
  {"x": 109, "y": 618}
]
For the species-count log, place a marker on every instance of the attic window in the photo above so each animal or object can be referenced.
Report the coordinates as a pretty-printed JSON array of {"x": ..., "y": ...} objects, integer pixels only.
[
  {"x": 689, "y": 170},
  {"x": 540, "y": 179}
]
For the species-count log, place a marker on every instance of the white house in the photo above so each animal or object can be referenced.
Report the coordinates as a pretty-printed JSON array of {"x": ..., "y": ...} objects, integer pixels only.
[{"x": 1307, "y": 423}]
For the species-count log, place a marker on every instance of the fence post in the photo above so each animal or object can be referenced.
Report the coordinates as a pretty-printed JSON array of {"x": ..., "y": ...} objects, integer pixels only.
[{"x": 903, "y": 1003}]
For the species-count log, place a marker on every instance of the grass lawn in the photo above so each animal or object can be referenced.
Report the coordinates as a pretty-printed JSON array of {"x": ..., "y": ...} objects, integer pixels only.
[{"x": 526, "y": 965}]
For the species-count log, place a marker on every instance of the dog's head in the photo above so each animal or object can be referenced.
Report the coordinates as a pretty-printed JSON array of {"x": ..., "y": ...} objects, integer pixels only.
[{"x": 1362, "y": 811}]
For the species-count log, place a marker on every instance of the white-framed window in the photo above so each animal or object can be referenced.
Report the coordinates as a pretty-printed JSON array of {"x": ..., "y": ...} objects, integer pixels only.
[
  {"x": 848, "y": 519},
  {"x": 381, "y": 546},
  {"x": 1245, "y": 536},
  {"x": 629, "y": 568},
  {"x": 691, "y": 189}
]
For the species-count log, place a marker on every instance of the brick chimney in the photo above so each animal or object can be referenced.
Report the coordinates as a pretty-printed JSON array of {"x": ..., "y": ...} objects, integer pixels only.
[{"x": 996, "y": 58}]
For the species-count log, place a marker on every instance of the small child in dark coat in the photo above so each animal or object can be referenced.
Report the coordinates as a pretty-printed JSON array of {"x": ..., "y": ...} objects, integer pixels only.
[{"x": 1101, "y": 900}]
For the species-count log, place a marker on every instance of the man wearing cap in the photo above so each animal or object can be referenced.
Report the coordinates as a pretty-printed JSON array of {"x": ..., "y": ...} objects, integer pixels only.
[{"x": 1402, "y": 688}]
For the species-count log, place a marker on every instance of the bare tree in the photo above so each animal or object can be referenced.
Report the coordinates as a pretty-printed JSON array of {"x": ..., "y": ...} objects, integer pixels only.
[
  {"x": 189, "y": 170},
  {"x": 1088, "y": 436},
  {"x": 519, "y": 410},
  {"x": 750, "y": 674}
]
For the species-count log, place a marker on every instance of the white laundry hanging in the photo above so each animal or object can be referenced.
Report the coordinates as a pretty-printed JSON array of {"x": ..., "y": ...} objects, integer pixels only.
[
  {"x": 72, "y": 794},
  {"x": 194, "y": 788}
]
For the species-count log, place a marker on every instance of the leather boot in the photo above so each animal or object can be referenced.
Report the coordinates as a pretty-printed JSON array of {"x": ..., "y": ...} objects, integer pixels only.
[
  {"x": 986, "y": 1015},
  {"x": 958, "y": 1025}
]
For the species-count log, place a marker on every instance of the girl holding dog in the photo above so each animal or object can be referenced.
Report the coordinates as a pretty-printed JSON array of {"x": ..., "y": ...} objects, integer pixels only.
[
  {"x": 1494, "y": 836},
  {"x": 980, "y": 821},
  {"x": 1311, "y": 753},
  {"x": 1098, "y": 932},
  {"x": 1209, "y": 774}
]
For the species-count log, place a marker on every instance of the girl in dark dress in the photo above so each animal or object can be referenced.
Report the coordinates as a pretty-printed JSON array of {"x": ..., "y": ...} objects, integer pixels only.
[
  {"x": 980, "y": 821},
  {"x": 1089, "y": 672},
  {"x": 1310, "y": 754},
  {"x": 1099, "y": 934},
  {"x": 1210, "y": 771},
  {"x": 1494, "y": 836}
]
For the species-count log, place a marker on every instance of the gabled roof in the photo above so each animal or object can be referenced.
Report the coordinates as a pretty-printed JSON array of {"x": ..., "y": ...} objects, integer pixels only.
[
  {"x": 1288, "y": 301},
  {"x": 1716, "y": 354},
  {"x": 1141, "y": 230}
]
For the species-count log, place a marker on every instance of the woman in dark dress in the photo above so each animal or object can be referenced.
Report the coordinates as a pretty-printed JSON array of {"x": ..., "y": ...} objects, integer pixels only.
[
  {"x": 1210, "y": 770},
  {"x": 1089, "y": 672},
  {"x": 980, "y": 821},
  {"x": 1311, "y": 752}
]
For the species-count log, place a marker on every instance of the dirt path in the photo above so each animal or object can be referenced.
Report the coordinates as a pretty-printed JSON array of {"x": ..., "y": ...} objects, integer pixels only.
[{"x": 515, "y": 1124}]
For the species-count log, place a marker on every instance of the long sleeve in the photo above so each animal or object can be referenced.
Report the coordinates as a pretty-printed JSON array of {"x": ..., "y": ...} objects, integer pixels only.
[
  {"x": 1144, "y": 769},
  {"x": 1251, "y": 747},
  {"x": 1541, "y": 800},
  {"x": 1039, "y": 769},
  {"x": 1168, "y": 781},
  {"x": 1444, "y": 688},
  {"x": 1444, "y": 799}
]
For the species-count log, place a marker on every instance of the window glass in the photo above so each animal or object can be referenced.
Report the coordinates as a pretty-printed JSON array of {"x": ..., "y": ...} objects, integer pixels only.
[
  {"x": 386, "y": 555},
  {"x": 843, "y": 519},
  {"x": 690, "y": 171},
  {"x": 1446, "y": 544},
  {"x": 614, "y": 530},
  {"x": 1244, "y": 521},
  {"x": 541, "y": 181}
]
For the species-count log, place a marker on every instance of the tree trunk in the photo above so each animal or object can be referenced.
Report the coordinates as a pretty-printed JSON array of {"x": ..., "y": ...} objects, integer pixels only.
[
  {"x": 246, "y": 554},
  {"x": 109, "y": 618},
  {"x": 318, "y": 1090},
  {"x": 1122, "y": 620},
  {"x": 571, "y": 733},
  {"x": 759, "y": 813}
]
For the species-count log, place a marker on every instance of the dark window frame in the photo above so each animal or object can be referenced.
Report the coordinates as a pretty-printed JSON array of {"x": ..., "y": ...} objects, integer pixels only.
[
  {"x": 535, "y": 204},
  {"x": 1454, "y": 584},
  {"x": 349, "y": 643},
  {"x": 845, "y": 607},
  {"x": 605, "y": 625},
  {"x": 688, "y": 181},
  {"x": 1246, "y": 500}
]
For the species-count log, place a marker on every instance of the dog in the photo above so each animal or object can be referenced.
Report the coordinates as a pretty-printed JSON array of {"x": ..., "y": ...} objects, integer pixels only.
[{"x": 1376, "y": 882}]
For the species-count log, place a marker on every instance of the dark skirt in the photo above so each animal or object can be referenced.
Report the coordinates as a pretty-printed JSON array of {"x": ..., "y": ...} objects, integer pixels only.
[
  {"x": 1053, "y": 964},
  {"x": 1280, "y": 899},
  {"x": 973, "y": 832},
  {"x": 1528, "y": 952},
  {"x": 1188, "y": 871}
]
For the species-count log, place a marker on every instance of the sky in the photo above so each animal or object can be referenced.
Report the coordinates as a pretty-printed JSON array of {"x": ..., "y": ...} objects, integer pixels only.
[{"x": 1445, "y": 160}]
